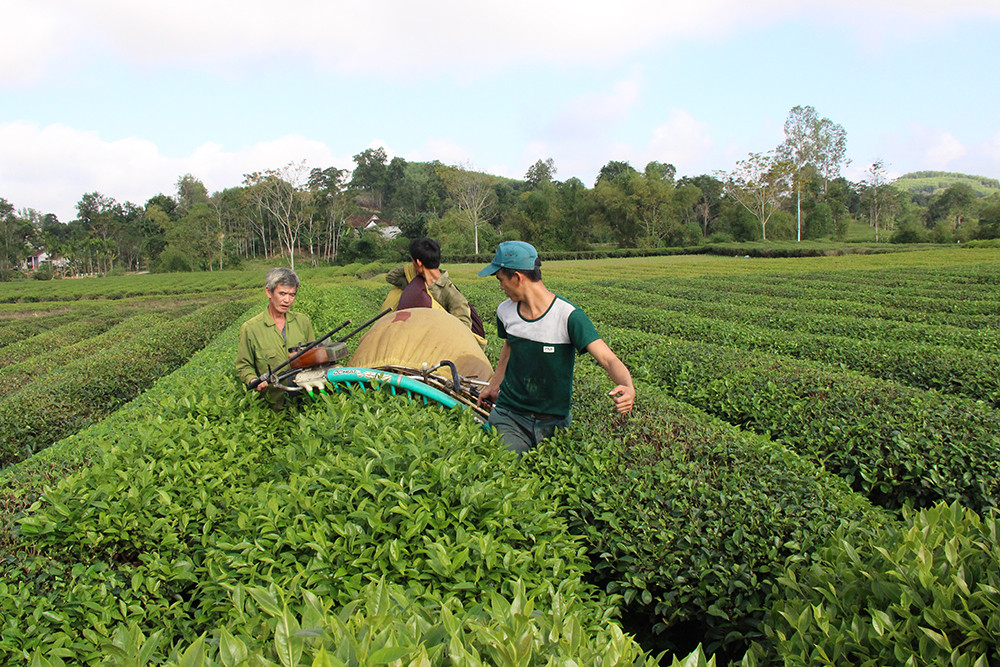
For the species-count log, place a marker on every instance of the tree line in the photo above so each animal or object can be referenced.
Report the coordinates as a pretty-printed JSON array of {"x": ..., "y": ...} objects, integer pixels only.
[{"x": 336, "y": 215}]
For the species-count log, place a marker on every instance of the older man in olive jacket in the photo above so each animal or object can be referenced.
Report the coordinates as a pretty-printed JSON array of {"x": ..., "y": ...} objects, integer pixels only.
[{"x": 266, "y": 338}]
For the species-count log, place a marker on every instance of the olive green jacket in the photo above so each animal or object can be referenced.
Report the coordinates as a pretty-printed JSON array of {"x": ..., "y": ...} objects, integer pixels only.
[
  {"x": 261, "y": 344},
  {"x": 443, "y": 290}
]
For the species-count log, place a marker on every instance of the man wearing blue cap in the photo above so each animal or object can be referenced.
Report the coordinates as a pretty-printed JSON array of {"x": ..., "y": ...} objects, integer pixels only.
[{"x": 542, "y": 334}]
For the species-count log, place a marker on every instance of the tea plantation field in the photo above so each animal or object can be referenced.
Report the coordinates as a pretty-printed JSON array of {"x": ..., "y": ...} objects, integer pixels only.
[{"x": 811, "y": 475}]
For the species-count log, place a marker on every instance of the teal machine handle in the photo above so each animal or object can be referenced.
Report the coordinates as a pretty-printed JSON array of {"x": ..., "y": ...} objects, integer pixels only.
[{"x": 353, "y": 375}]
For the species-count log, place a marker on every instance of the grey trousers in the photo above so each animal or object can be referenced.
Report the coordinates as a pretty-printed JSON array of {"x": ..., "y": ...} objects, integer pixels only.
[{"x": 521, "y": 431}]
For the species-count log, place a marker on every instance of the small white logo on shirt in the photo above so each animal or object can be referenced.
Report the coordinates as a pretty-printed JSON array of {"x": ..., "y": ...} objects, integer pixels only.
[{"x": 548, "y": 349}]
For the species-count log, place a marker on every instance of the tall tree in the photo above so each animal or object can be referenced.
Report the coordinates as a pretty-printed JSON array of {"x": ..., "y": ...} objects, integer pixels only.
[
  {"x": 832, "y": 151},
  {"x": 332, "y": 206},
  {"x": 194, "y": 236},
  {"x": 473, "y": 195},
  {"x": 876, "y": 196},
  {"x": 190, "y": 191},
  {"x": 577, "y": 206},
  {"x": 614, "y": 169},
  {"x": 280, "y": 195},
  {"x": 955, "y": 204},
  {"x": 370, "y": 175},
  {"x": 799, "y": 149},
  {"x": 758, "y": 184},
  {"x": 96, "y": 213},
  {"x": 639, "y": 208},
  {"x": 541, "y": 172},
  {"x": 660, "y": 171},
  {"x": 989, "y": 219},
  {"x": 810, "y": 140},
  {"x": 654, "y": 193},
  {"x": 709, "y": 198},
  {"x": 14, "y": 232}
]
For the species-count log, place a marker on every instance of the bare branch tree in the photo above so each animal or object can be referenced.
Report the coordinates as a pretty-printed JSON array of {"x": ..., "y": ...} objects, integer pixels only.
[
  {"x": 281, "y": 196},
  {"x": 876, "y": 196},
  {"x": 473, "y": 194},
  {"x": 758, "y": 183}
]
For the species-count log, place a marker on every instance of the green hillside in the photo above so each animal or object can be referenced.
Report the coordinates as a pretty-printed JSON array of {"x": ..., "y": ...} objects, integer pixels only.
[{"x": 933, "y": 182}]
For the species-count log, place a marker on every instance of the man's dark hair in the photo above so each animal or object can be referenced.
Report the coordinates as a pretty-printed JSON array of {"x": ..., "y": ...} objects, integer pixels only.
[
  {"x": 534, "y": 275},
  {"x": 427, "y": 251}
]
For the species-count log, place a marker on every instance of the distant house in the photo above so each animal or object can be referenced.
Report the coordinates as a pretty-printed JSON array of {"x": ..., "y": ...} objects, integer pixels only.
[
  {"x": 360, "y": 223},
  {"x": 371, "y": 221},
  {"x": 35, "y": 260}
]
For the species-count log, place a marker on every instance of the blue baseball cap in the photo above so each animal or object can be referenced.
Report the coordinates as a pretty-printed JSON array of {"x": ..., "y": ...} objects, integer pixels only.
[{"x": 512, "y": 255}]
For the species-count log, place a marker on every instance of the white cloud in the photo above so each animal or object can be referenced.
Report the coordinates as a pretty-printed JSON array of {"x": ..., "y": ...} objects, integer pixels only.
[
  {"x": 920, "y": 147},
  {"x": 448, "y": 152},
  {"x": 683, "y": 141},
  {"x": 991, "y": 150},
  {"x": 580, "y": 135},
  {"x": 595, "y": 113},
  {"x": 403, "y": 38},
  {"x": 49, "y": 168},
  {"x": 35, "y": 36}
]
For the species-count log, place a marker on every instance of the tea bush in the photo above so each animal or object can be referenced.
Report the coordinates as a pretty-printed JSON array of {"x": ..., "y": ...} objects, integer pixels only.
[
  {"x": 194, "y": 526},
  {"x": 201, "y": 495},
  {"x": 790, "y": 315},
  {"x": 688, "y": 519},
  {"x": 386, "y": 626},
  {"x": 18, "y": 375},
  {"x": 55, "y": 338},
  {"x": 836, "y": 302},
  {"x": 894, "y": 444},
  {"x": 923, "y": 592},
  {"x": 86, "y": 389},
  {"x": 933, "y": 301},
  {"x": 13, "y": 330},
  {"x": 952, "y": 370}
]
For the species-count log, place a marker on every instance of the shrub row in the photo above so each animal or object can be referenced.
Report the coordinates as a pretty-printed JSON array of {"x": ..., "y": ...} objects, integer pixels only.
[
  {"x": 798, "y": 320},
  {"x": 123, "y": 287},
  {"x": 224, "y": 502},
  {"x": 951, "y": 370},
  {"x": 386, "y": 626},
  {"x": 24, "y": 326},
  {"x": 882, "y": 284},
  {"x": 679, "y": 295},
  {"x": 983, "y": 274},
  {"x": 791, "y": 288},
  {"x": 976, "y": 282},
  {"x": 829, "y": 304},
  {"x": 21, "y": 483},
  {"x": 54, "y": 339},
  {"x": 895, "y": 444},
  {"x": 88, "y": 388},
  {"x": 922, "y": 592},
  {"x": 19, "y": 375},
  {"x": 686, "y": 517}
]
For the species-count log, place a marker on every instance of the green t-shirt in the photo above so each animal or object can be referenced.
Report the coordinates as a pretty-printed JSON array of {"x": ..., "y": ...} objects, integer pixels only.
[{"x": 539, "y": 374}]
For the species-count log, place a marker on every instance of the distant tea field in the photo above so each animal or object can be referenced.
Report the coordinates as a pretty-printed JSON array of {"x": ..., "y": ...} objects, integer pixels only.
[{"x": 811, "y": 475}]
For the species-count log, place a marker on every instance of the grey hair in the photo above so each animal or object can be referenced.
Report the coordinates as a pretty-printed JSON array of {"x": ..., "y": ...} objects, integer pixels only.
[{"x": 281, "y": 276}]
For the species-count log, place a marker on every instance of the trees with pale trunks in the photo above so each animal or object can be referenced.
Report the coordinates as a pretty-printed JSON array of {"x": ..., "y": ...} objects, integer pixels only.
[
  {"x": 759, "y": 184},
  {"x": 473, "y": 195},
  {"x": 281, "y": 196}
]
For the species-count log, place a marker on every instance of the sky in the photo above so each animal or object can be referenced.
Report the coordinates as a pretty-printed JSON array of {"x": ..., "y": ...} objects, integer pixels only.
[{"x": 123, "y": 97}]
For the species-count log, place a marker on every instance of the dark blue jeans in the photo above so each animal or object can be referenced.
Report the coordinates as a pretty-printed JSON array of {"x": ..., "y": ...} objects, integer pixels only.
[{"x": 521, "y": 431}]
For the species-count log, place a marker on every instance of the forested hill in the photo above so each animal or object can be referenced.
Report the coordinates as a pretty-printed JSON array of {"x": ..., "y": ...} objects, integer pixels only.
[{"x": 934, "y": 182}]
